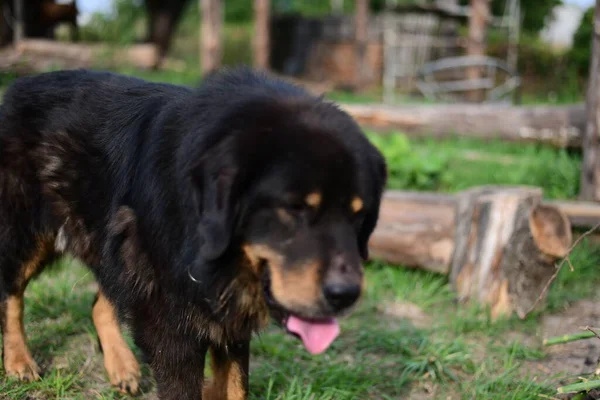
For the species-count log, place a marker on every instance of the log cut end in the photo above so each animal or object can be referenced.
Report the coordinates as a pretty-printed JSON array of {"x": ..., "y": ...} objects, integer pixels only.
[
  {"x": 507, "y": 245},
  {"x": 551, "y": 231},
  {"x": 531, "y": 257}
]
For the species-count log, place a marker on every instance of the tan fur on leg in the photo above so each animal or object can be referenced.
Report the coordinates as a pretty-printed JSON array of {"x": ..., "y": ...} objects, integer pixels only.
[
  {"x": 18, "y": 362},
  {"x": 227, "y": 381},
  {"x": 119, "y": 361}
]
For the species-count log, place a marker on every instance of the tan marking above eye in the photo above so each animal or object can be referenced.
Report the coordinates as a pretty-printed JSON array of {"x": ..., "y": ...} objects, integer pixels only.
[
  {"x": 313, "y": 199},
  {"x": 356, "y": 204},
  {"x": 284, "y": 216}
]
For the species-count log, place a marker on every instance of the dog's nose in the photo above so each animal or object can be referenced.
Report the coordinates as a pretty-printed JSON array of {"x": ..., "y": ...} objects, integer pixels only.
[
  {"x": 342, "y": 283},
  {"x": 341, "y": 295}
]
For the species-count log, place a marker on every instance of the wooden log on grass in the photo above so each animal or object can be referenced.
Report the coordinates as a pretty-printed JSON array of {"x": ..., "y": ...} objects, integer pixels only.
[
  {"x": 560, "y": 126},
  {"x": 506, "y": 248},
  {"x": 499, "y": 245},
  {"x": 415, "y": 230},
  {"x": 77, "y": 55}
]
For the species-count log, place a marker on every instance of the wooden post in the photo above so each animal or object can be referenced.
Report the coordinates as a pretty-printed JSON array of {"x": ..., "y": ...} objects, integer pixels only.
[
  {"x": 498, "y": 244},
  {"x": 19, "y": 23},
  {"x": 262, "y": 13},
  {"x": 211, "y": 35},
  {"x": 590, "y": 171},
  {"x": 480, "y": 14},
  {"x": 361, "y": 38}
]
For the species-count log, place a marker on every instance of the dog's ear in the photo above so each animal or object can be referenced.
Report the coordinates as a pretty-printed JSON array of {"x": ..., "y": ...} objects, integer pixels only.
[
  {"x": 378, "y": 175},
  {"x": 215, "y": 179}
]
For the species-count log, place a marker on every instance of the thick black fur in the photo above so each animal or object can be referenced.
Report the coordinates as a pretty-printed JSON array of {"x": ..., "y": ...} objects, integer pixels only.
[{"x": 157, "y": 188}]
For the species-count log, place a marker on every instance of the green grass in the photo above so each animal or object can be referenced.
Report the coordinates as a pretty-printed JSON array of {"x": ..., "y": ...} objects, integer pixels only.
[
  {"x": 454, "y": 164},
  {"x": 460, "y": 351}
]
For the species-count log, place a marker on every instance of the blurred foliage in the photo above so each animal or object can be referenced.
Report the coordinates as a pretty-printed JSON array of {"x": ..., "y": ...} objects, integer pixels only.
[
  {"x": 124, "y": 25},
  {"x": 580, "y": 53},
  {"x": 548, "y": 75},
  {"x": 121, "y": 26},
  {"x": 240, "y": 11},
  {"x": 535, "y": 13},
  {"x": 410, "y": 167},
  {"x": 455, "y": 164}
]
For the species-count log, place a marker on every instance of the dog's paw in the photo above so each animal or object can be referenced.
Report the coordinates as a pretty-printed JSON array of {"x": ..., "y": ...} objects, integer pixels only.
[
  {"x": 22, "y": 367},
  {"x": 123, "y": 371}
]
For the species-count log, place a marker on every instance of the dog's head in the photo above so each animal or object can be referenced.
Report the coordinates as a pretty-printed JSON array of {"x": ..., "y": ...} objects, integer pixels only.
[{"x": 294, "y": 186}]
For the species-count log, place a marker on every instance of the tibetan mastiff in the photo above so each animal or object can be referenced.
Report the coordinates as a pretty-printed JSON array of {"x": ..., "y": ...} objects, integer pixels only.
[{"x": 203, "y": 213}]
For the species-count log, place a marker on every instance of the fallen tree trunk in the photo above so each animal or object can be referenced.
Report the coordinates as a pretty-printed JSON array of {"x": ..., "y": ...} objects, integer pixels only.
[
  {"x": 560, "y": 126},
  {"x": 499, "y": 245},
  {"x": 415, "y": 230},
  {"x": 86, "y": 55},
  {"x": 36, "y": 55}
]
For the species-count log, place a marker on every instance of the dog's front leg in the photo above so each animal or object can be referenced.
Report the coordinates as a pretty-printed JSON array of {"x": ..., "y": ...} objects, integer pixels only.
[
  {"x": 230, "y": 372},
  {"x": 176, "y": 360}
]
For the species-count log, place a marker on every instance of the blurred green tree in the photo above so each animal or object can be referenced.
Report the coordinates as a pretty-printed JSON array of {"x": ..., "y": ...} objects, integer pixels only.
[
  {"x": 580, "y": 53},
  {"x": 535, "y": 13}
]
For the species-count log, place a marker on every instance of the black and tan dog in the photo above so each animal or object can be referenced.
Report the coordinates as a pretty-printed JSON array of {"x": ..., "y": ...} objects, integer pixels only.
[{"x": 201, "y": 212}]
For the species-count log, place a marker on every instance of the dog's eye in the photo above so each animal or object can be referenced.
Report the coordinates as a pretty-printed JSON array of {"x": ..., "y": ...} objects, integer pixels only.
[
  {"x": 297, "y": 207},
  {"x": 358, "y": 217}
]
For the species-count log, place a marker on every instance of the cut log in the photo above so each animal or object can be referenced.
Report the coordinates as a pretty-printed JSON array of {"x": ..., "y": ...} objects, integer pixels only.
[
  {"x": 415, "y": 230},
  {"x": 498, "y": 244},
  {"x": 37, "y": 55},
  {"x": 506, "y": 247},
  {"x": 560, "y": 126},
  {"x": 581, "y": 214}
]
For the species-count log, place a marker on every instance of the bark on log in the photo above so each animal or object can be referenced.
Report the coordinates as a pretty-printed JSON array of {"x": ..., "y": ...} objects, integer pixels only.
[
  {"x": 415, "y": 230},
  {"x": 506, "y": 247},
  {"x": 581, "y": 214},
  {"x": 37, "y": 55},
  {"x": 79, "y": 55},
  {"x": 590, "y": 171},
  {"x": 498, "y": 244},
  {"x": 560, "y": 126}
]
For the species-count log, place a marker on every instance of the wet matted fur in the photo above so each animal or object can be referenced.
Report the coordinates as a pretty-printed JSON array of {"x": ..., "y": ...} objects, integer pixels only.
[{"x": 202, "y": 212}]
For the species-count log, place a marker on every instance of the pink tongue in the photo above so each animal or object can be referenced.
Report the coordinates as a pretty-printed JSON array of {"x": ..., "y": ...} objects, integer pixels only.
[{"x": 316, "y": 335}]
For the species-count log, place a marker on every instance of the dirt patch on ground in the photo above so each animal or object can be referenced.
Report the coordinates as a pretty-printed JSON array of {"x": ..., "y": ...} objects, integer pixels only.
[
  {"x": 572, "y": 359},
  {"x": 405, "y": 310}
]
